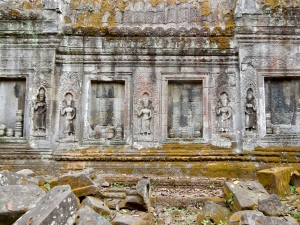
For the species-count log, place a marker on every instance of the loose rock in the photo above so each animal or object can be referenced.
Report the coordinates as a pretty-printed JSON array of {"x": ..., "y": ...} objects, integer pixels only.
[
  {"x": 97, "y": 205},
  {"x": 16, "y": 200},
  {"x": 236, "y": 217},
  {"x": 54, "y": 208},
  {"x": 86, "y": 215},
  {"x": 214, "y": 212},
  {"x": 272, "y": 206},
  {"x": 253, "y": 219}
]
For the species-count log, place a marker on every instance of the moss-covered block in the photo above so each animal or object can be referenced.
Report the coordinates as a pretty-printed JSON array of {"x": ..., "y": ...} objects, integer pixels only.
[{"x": 276, "y": 180}]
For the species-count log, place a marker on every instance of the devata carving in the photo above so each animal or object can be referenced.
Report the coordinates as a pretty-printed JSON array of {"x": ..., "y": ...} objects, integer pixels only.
[
  {"x": 70, "y": 111},
  {"x": 40, "y": 108},
  {"x": 145, "y": 113},
  {"x": 250, "y": 111},
  {"x": 223, "y": 111}
]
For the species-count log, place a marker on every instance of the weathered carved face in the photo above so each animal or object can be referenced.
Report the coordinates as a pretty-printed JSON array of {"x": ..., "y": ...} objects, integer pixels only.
[
  {"x": 42, "y": 98},
  {"x": 224, "y": 100}
]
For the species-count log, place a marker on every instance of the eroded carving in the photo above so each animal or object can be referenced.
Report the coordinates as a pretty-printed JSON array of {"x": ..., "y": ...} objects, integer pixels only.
[
  {"x": 250, "y": 111},
  {"x": 40, "y": 108},
  {"x": 145, "y": 114},
  {"x": 224, "y": 112},
  {"x": 69, "y": 112}
]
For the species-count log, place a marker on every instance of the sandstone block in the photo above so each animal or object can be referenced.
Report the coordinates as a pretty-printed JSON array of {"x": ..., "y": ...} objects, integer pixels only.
[
  {"x": 143, "y": 188},
  {"x": 213, "y": 212},
  {"x": 81, "y": 183},
  {"x": 26, "y": 172},
  {"x": 272, "y": 206},
  {"x": 253, "y": 219},
  {"x": 276, "y": 180},
  {"x": 16, "y": 200},
  {"x": 242, "y": 195},
  {"x": 11, "y": 178},
  {"x": 236, "y": 217},
  {"x": 54, "y": 208},
  {"x": 97, "y": 205},
  {"x": 86, "y": 215},
  {"x": 140, "y": 218}
]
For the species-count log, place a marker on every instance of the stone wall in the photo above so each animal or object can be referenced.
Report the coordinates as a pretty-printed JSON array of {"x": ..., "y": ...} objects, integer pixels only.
[{"x": 114, "y": 75}]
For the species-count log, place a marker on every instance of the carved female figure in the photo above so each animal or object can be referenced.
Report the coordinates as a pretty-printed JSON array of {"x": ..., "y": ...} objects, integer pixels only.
[
  {"x": 223, "y": 110},
  {"x": 70, "y": 111},
  {"x": 145, "y": 113},
  {"x": 40, "y": 107},
  {"x": 250, "y": 111}
]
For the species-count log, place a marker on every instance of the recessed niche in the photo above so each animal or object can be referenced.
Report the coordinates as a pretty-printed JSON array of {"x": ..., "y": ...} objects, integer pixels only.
[
  {"x": 12, "y": 100},
  {"x": 185, "y": 109},
  {"x": 282, "y": 104},
  {"x": 107, "y": 109}
]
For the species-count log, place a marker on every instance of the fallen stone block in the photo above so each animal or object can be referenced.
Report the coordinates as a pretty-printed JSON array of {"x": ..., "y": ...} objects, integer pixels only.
[
  {"x": 272, "y": 206},
  {"x": 295, "y": 179},
  {"x": 244, "y": 195},
  {"x": 213, "y": 212},
  {"x": 16, "y": 200},
  {"x": 85, "y": 215},
  {"x": 276, "y": 180},
  {"x": 253, "y": 219},
  {"x": 139, "y": 218},
  {"x": 131, "y": 198},
  {"x": 97, "y": 205},
  {"x": 236, "y": 217},
  {"x": 54, "y": 208},
  {"x": 81, "y": 183},
  {"x": 11, "y": 178}
]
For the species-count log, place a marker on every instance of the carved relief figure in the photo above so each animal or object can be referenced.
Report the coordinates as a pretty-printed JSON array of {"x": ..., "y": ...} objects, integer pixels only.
[
  {"x": 145, "y": 112},
  {"x": 40, "y": 107},
  {"x": 70, "y": 111},
  {"x": 250, "y": 110},
  {"x": 223, "y": 111}
]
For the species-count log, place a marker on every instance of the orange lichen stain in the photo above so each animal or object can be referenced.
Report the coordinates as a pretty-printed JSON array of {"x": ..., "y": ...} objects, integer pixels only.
[
  {"x": 183, "y": 1},
  {"x": 154, "y": 3},
  {"x": 172, "y": 2},
  {"x": 32, "y": 4},
  {"x": 222, "y": 42},
  {"x": 121, "y": 5},
  {"x": 206, "y": 8},
  {"x": 15, "y": 12}
]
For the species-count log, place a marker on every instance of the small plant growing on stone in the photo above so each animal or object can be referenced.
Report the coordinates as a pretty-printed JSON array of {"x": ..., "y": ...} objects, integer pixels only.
[
  {"x": 231, "y": 199},
  {"x": 296, "y": 215},
  {"x": 212, "y": 186},
  {"x": 107, "y": 217},
  {"x": 292, "y": 189},
  {"x": 116, "y": 185},
  {"x": 205, "y": 222}
]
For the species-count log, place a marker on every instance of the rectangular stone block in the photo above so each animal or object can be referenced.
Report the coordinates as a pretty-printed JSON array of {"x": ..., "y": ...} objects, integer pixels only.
[
  {"x": 54, "y": 208},
  {"x": 276, "y": 180}
]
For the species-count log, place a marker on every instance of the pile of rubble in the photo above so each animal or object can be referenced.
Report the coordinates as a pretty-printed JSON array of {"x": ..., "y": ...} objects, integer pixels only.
[{"x": 86, "y": 198}]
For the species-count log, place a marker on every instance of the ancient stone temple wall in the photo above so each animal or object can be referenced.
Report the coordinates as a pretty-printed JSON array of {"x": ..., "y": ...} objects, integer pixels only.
[{"x": 175, "y": 82}]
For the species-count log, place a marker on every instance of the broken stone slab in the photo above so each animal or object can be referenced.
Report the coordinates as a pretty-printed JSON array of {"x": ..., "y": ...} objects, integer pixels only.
[
  {"x": 213, "y": 212},
  {"x": 97, "y": 205},
  {"x": 295, "y": 179},
  {"x": 143, "y": 188},
  {"x": 276, "y": 180},
  {"x": 81, "y": 183},
  {"x": 132, "y": 198},
  {"x": 272, "y": 206},
  {"x": 236, "y": 217},
  {"x": 253, "y": 219},
  {"x": 137, "y": 218},
  {"x": 11, "y": 178},
  {"x": 244, "y": 195},
  {"x": 16, "y": 200},
  {"x": 53, "y": 208},
  {"x": 85, "y": 215}
]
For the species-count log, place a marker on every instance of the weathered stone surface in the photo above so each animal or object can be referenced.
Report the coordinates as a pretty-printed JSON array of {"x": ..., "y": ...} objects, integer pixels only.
[
  {"x": 85, "y": 215},
  {"x": 140, "y": 218},
  {"x": 213, "y": 212},
  {"x": 81, "y": 183},
  {"x": 54, "y": 208},
  {"x": 16, "y": 200},
  {"x": 295, "y": 178},
  {"x": 26, "y": 172},
  {"x": 11, "y": 178},
  {"x": 244, "y": 195},
  {"x": 97, "y": 205},
  {"x": 236, "y": 217},
  {"x": 276, "y": 180},
  {"x": 143, "y": 188},
  {"x": 272, "y": 206},
  {"x": 252, "y": 219}
]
